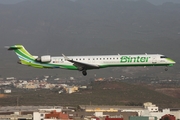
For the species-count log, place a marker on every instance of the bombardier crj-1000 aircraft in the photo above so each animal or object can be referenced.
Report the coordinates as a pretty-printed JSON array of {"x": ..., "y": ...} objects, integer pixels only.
[{"x": 84, "y": 63}]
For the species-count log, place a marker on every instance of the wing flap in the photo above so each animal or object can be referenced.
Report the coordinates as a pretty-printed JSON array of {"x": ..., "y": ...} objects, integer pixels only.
[
  {"x": 85, "y": 66},
  {"x": 80, "y": 65}
]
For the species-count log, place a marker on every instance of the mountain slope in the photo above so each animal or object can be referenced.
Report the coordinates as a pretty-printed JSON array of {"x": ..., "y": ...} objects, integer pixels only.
[{"x": 102, "y": 93}]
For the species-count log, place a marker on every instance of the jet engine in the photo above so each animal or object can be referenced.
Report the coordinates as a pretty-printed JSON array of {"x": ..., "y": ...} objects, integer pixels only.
[{"x": 44, "y": 58}]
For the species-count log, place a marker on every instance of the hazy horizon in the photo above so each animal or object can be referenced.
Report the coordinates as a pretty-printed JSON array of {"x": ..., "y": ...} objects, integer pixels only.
[{"x": 156, "y": 2}]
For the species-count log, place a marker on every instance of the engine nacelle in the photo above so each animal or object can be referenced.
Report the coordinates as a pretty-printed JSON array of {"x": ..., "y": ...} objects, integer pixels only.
[{"x": 45, "y": 58}]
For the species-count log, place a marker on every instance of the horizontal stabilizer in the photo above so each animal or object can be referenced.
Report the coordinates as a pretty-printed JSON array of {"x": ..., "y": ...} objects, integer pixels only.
[{"x": 12, "y": 47}]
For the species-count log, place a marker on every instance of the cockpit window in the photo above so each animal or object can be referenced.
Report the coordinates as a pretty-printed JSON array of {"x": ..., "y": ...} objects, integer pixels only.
[{"x": 164, "y": 57}]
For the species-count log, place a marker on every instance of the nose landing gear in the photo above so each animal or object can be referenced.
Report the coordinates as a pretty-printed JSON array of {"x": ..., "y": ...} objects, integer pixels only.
[{"x": 166, "y": 69}]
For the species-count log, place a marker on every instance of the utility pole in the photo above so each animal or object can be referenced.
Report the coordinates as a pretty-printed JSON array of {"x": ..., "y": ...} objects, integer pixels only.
[{"x": 17, "y": 100}]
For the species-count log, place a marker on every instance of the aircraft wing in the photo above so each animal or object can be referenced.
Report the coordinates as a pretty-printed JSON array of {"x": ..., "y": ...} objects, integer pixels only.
[{"x": 80, "y": 65}]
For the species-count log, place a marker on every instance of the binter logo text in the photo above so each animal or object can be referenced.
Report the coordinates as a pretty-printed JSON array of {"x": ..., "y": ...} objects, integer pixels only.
[{"x": 129, "y": 59}]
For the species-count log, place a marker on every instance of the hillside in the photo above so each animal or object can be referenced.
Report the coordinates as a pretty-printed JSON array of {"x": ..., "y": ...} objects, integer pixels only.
[
  {"x": 102, "y": 93},
  {"x": 87, "y": 27}
]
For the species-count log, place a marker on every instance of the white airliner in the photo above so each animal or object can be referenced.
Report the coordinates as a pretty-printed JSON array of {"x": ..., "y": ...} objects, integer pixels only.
[{"x": 84, "y": 63}]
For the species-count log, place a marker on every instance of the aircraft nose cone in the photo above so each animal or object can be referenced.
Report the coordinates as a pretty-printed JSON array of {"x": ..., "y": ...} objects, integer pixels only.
[{"x": 171, "y": 61}]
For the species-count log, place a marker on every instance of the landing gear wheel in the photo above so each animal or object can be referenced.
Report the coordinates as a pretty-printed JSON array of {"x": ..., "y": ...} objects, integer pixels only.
[
  {"x": 84, "y": 73},
  {"x": 166, "y": 69}
]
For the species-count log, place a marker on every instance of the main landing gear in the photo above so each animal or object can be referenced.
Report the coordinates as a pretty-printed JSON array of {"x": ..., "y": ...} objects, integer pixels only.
[
  {"x": 166, "y": 69},
  {"x": 84, "y": 72}
]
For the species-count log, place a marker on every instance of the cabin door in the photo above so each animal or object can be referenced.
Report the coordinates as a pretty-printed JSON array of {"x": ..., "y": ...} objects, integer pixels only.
[{"x": 154, "y": 60}]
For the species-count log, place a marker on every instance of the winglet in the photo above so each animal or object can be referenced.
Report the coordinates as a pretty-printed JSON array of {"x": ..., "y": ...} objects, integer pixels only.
[{"x": 65, "y": 57}]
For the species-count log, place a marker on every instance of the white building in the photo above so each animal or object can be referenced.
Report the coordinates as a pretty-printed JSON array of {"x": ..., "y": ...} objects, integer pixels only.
[
  {"x": 7, "y": 91},
  {"x": 151, "y": 107},
  {"x": 158, "y": 114},
  {"x": 38, "y": 116},
  {"x": 153, "y": 110},
  {"x": 176, "y": 114}
]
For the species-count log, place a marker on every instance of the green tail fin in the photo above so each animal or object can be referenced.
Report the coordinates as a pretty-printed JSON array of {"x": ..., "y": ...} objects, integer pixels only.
[{"x": 21, "y": 52}]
